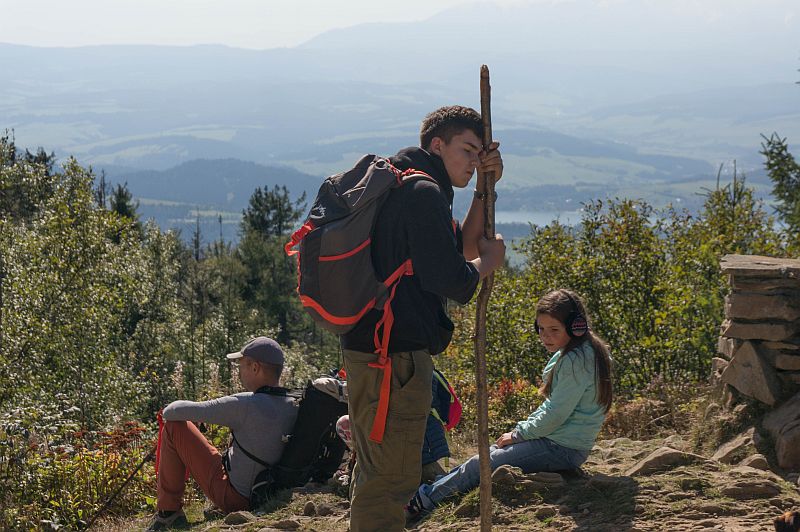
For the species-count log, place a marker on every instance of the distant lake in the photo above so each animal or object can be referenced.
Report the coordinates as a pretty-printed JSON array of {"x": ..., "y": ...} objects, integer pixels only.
[{"x": 537, "y": 217}]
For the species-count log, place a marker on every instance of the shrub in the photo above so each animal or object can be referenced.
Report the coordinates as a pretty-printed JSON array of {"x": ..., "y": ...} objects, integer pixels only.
[
  {"x": 654, "y": 291},
  {"x": 54, "y": 475}
]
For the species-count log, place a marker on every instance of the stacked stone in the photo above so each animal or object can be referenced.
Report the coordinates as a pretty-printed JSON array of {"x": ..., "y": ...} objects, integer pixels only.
[{"x": 760, "y": 337}]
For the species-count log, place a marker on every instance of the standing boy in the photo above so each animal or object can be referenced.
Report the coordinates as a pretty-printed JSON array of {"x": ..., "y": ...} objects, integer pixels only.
[{"x": 448, "y": 261}]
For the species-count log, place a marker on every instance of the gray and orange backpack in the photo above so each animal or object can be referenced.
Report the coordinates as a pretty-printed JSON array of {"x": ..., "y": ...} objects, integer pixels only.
[{"x": 337, "y": 282}]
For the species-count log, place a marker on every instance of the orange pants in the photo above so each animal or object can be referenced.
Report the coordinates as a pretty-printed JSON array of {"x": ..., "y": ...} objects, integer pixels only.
[{"x": 184, "y": 447}]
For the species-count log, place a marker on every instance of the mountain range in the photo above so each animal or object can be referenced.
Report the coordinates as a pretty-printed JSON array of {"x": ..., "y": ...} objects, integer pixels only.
[{"x": 590, "y": 99}]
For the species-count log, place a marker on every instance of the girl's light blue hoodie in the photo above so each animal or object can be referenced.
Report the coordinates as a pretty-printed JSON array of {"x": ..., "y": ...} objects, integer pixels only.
[{"x": 571, "y": 416}]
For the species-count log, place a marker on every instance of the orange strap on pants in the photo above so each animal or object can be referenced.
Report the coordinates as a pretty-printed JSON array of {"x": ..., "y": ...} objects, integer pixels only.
[{"x": 384, "y": 362}]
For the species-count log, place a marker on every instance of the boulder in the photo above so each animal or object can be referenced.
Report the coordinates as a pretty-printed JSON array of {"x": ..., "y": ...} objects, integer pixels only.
[
  {"x": 751, "y": 488},
  {"x": 756, "y": 461},
  {"x": 785, "y": 359},
  {"x": 788, "y": 412},
  {"x": 792, "y": 345},
  {"x": 760, "y": 266},
  {"x": 743, "y": 471},
  {"x": 506, "y": 474},
  {"x": 239, "y": 518},
  {"x": 763, "y": 285},
  {"x": 787, "y": 447},
  {"x": 718, "y": 365},
  {"x": 788, "y": 361},
  {"x": 750, "y": 306},
  {"x": 790, "y": 378},
  {"x": 679, "y": 496},
  {"x": 752, "y": 376},
  {"x": 287, "y": 524},
  {"x": 773, "y": 331},
  {"x": 783, "y": 424},
  {"x": 728, "y": 346},
  {"x": 546, "y": 512},
  {"x": 662, "y": 459},
  {"x": 719, "y": 508},
  {"x": 728, "y": 452}
]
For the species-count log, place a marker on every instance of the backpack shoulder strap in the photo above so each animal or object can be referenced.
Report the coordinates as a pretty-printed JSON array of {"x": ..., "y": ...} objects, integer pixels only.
[
  {"x": 248, "y": 453},
  {"x": 407, "y": 176},
  {"x": 268, "y": 390},
  {"x": 273, "y": 390}
]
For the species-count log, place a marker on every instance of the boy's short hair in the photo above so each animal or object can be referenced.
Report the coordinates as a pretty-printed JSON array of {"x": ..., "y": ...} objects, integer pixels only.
[{"x": 446, "y": 122}]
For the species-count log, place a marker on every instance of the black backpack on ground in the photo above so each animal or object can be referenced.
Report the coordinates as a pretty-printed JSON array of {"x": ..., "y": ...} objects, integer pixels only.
[{"x": 314, "y": 450}]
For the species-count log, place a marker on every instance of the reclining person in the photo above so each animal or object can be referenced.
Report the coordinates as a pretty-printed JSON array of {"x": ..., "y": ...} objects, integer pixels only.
[{"x": 258, "y": 422}]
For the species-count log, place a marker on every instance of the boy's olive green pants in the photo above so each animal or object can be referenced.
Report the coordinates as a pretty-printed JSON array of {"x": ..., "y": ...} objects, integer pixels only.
[{"x": 387, "y": 474}]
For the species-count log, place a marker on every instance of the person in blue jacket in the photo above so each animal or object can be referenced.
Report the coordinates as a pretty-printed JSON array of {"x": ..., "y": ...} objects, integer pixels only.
[
  {"x": 435, "y": 446},
  {"x": 560, "y": 434},
  {"x": 442, "y": 418}
]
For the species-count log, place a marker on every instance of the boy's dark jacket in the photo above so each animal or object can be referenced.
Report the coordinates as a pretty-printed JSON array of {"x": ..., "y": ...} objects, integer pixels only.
[{"x": 416, "y": 222}]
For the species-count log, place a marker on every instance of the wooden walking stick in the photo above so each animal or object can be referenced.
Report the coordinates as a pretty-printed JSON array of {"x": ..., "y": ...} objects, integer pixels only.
[{"x": 480, "y": 318}]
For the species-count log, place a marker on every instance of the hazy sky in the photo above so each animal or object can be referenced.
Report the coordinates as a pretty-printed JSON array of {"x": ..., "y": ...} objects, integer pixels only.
[
  {"x": 261, "y": 24},
  {"x": 240, "y": 23}
]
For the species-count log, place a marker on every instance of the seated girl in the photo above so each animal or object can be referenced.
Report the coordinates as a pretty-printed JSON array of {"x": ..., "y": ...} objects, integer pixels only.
[{"x": 560, "y": 434}]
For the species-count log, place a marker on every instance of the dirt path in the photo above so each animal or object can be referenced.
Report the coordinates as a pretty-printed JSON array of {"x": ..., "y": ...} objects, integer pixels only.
[{"x": 626, "y": 485}]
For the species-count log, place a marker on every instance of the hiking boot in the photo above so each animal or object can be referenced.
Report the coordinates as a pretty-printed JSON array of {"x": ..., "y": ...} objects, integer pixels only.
[
  {"x": 213, "y": 513},
  {"x": 164, "y": 520}
]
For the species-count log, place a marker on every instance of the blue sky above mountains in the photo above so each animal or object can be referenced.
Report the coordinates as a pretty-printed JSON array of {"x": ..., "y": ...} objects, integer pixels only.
[{"x": 265, "y": 24}]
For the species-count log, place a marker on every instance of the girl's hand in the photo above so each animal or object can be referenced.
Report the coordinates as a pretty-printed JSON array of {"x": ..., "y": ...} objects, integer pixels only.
[{"x": 504, "y": 440}]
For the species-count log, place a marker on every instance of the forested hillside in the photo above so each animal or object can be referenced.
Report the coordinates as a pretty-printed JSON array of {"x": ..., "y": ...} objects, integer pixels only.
[{"x": 104, "y": 319}]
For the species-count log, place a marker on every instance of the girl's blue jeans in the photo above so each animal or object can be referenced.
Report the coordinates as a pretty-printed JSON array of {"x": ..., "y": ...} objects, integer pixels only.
[{"x": 531, "y": 456}]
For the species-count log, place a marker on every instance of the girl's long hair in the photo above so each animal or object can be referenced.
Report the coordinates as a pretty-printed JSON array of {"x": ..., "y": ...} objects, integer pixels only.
[{"x": 560, "y": 304}]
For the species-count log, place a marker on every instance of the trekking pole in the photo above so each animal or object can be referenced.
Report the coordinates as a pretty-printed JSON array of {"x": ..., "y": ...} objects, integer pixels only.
[
  {"x": 120, "y": 488},
  {"x": 480, "y": 319}
]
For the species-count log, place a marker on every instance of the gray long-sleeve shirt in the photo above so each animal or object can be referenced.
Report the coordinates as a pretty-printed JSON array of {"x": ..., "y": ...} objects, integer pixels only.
[{"x": 260, "y": 422}]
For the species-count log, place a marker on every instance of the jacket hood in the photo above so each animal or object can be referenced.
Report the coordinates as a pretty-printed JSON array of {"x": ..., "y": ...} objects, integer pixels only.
[{"x": 427, "y": 162}]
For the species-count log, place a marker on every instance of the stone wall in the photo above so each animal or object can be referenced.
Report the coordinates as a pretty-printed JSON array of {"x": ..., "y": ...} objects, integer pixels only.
[{"x": 760, "y": 343}]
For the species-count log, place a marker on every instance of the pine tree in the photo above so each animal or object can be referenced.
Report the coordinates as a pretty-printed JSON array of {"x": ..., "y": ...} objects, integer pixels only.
[
  {"x": 784, "y": 171},
  {"x": 271, "y": 275}
]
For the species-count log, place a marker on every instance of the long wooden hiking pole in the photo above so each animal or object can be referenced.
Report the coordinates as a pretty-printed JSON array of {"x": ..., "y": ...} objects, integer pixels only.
[{"x": 480, "y": 318}]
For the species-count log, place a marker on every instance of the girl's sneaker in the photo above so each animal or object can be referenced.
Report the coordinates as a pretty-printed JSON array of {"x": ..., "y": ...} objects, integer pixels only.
[{"x": 415, "y": 510}]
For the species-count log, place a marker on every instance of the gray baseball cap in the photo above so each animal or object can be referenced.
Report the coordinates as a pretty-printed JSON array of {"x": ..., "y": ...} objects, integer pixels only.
[{"x": 262, "y": 349}]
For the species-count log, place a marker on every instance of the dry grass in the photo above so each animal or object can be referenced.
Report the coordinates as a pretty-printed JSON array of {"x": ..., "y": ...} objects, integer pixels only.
[{"x": 663, "y": 409}]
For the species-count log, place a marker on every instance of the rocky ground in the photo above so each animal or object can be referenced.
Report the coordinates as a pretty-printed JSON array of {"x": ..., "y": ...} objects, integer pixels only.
[{"x": 657, "y": 484}]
